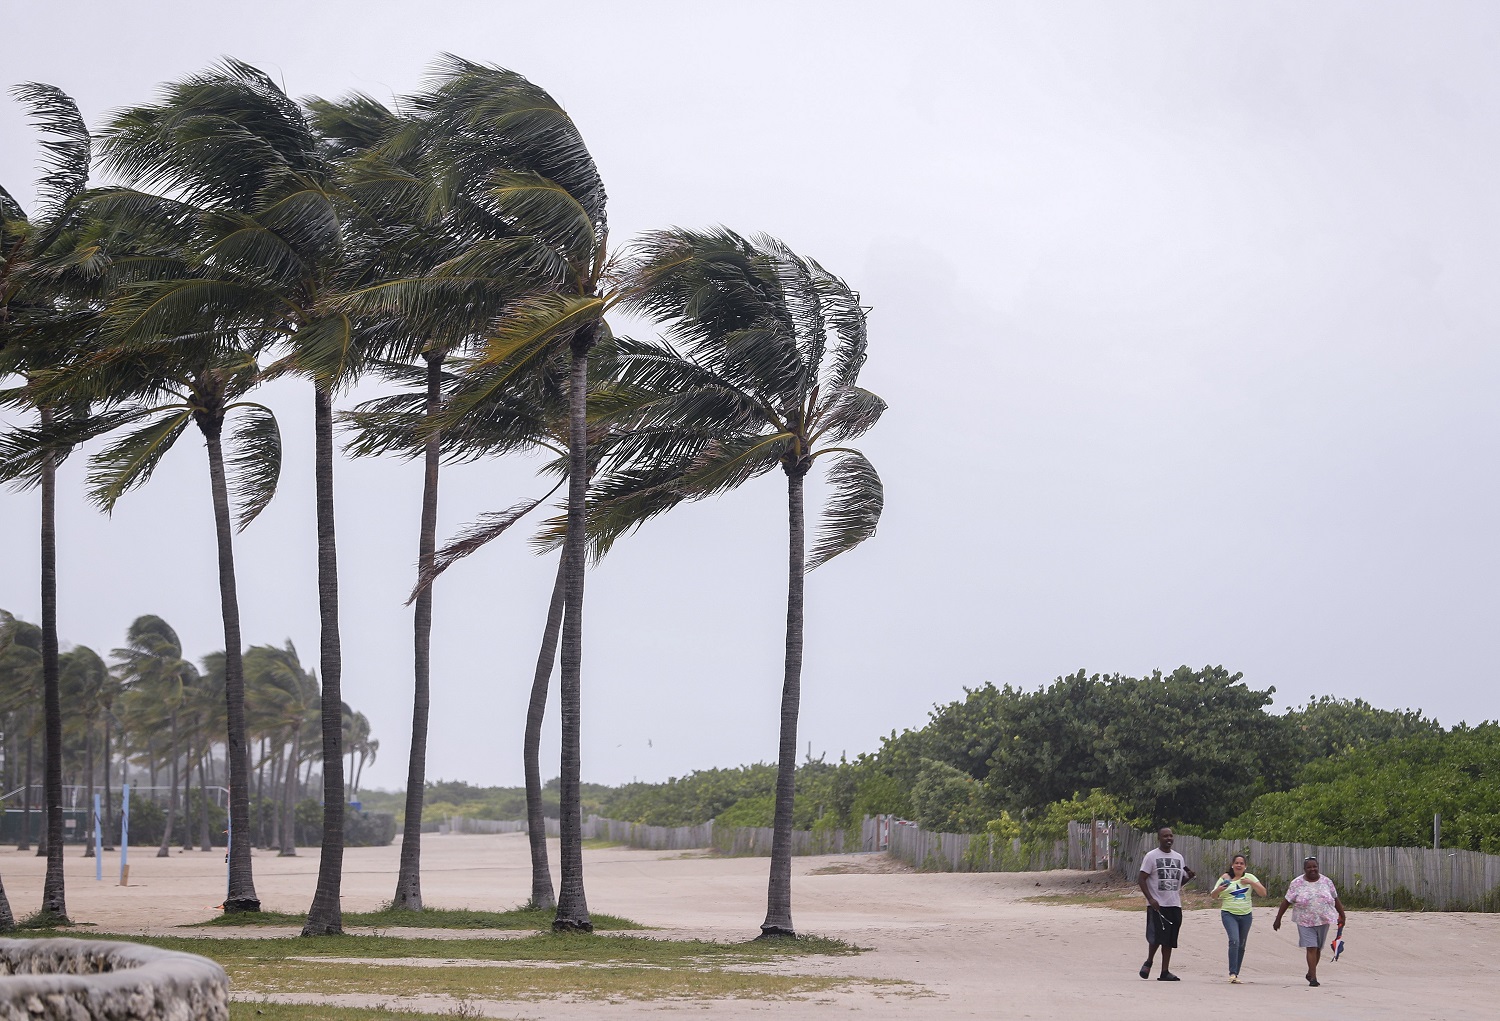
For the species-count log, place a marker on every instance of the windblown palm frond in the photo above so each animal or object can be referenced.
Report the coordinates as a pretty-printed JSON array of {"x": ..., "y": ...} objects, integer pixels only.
[
  {"x": 853, "y": 510},
  {"x": 253, "y": 465}
]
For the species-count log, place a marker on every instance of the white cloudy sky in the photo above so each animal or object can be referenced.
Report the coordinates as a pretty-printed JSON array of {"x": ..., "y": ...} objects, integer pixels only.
[{"x": 1185, "y": 313}]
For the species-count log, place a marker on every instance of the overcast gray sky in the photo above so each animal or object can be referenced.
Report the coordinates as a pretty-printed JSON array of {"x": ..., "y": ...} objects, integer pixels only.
[{"x": 1185, "y": 313}]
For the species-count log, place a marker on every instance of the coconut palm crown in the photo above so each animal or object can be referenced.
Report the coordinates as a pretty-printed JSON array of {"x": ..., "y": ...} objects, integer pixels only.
[{"x": 761, "y": 371}]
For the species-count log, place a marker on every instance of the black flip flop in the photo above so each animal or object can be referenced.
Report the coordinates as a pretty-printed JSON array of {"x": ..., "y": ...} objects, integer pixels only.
[{"x": 1146, "y": 970}]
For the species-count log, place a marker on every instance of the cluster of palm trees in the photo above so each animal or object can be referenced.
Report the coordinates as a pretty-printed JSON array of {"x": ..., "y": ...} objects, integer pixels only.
[
  {"x": 155, "y": 710},
  {"x": 456, "y": 246}
]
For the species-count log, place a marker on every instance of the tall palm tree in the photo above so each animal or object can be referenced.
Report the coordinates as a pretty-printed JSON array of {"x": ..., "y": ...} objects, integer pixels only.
[
  {"x": 39, "y": 320},
  {"x": 271, "y": 224},
  {"x": 159, "y": 679},
  {"x": 771, "y": 347},
  {"x": 530, "y": 416},
  {"x": 515, "y": 142},
  {"x": 85, "y": 682},
  {"x": 388, "y": 165},
  {"x": 20, "y": 685},
  {"x": 286, "y": 700},
  {"x": 169, "y": 375}
]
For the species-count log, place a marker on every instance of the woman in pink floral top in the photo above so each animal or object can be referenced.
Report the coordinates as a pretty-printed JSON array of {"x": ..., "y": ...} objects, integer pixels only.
[{"x": 1315, "y": 906}]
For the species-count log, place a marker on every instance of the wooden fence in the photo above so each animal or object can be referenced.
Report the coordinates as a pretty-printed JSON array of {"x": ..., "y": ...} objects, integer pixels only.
[
  {"x": 1400, "y": 878},
  {"x": 748, "y": 841},
  {"x": 956, "y": 852}
]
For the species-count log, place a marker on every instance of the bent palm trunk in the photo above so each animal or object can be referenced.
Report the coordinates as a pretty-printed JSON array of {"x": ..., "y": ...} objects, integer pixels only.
[
  {"x": 324, "y": 918},
  {"x": 536, "y": 711},
  {"x": 779, "y": 894},
  {"x": 166, "y": 835},
  {"x": 409, "y": 877},
  {"x": 572, "y": 905},
  {"x": 54, "y": 898},
  {"x": 237, "y": 750}
]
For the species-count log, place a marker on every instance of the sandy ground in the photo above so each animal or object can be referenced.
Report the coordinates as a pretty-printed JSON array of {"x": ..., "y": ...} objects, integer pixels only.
[{"x": 972, "y": 943}]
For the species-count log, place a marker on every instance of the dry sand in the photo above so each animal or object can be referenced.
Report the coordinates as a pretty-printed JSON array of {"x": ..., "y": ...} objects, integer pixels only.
[{"x": 972, "y": 943}]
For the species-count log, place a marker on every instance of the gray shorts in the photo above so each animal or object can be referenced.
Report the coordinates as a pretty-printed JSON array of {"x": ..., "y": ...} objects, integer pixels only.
[{"x": 1311, "y": 936}]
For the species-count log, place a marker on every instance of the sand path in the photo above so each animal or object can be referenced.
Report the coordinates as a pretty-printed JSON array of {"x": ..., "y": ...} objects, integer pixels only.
[{"x": 972, "y": 943}]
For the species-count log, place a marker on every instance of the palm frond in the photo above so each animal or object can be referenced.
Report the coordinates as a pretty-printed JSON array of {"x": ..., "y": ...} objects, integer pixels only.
[
  {"x": 329, "y": 349},
  {"x": 470, "y": 539},
  {"x": 254, "y": 465},
  {"x": 129, "y": 462},
  {"x": 849, "y": 413},
  {"x": 65, "y": 142},
  {"x": 542, "y": 208},
  {"x": 853, "y": 509}
]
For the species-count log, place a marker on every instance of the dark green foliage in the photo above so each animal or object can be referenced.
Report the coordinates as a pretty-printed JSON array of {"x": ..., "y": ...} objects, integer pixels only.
[
  {"x": 949, "y": 800},
  {"x": 361, "y": 829},
  {"x": 1385, "y": 794},
  {"x": 1328, "y": 725},
  {"x": 1193, "y": 745}
]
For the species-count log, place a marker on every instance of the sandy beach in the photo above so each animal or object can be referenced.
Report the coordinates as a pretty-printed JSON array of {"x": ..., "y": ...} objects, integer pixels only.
[{"x": 972, "y": 945}]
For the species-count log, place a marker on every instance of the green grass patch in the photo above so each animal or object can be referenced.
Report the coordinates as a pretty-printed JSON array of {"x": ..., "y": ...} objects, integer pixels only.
[
  {"x": 427, "y": 918},
  {"x": 536, "y": 967},
  {"x": 545, "y": 947}
]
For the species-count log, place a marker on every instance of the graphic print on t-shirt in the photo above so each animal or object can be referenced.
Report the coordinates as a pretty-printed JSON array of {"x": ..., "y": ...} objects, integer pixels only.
[{"x": 1168, "y": 874}]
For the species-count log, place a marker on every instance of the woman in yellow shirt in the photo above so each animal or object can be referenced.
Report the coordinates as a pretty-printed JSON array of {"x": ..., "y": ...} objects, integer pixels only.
[{"x": 1233, "y": 890}]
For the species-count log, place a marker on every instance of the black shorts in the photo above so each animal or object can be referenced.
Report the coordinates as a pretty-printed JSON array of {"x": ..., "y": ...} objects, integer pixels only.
[{"x": 1162, "y": 926}]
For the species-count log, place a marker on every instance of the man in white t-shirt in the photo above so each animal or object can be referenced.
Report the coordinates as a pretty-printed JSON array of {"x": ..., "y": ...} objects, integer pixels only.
[{"x": 1162, "y": 874}]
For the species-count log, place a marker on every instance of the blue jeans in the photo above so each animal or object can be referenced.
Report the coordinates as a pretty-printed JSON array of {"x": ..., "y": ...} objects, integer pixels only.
[{"x": 1238, "y": 928}]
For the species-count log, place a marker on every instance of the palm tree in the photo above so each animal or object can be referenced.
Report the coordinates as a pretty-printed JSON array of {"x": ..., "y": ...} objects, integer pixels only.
[
  {"x": 388, "y": 164},
  {"x": 272, "y": 225},
  {"x": 159, "y": 679},
  {"x": 38, "y": 322},
  {"x": 514, "y": 142},
  {"x": 767, "y": 377},
  {"x": 85, "y": 684},
  {"x": 285, "y": 701},
  {"x": 169, "y": 375},
  {"x": 506, "y": 421},
  {"x": 21, "y": 683}
]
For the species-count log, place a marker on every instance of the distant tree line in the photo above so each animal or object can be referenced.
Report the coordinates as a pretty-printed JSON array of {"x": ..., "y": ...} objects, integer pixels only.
[
  {"x": 150, "y": 716},
  {"x": 1198, "y": 749}
]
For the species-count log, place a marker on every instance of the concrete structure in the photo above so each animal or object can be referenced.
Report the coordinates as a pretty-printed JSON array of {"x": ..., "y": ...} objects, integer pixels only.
[{"x": 104, "y": 980}]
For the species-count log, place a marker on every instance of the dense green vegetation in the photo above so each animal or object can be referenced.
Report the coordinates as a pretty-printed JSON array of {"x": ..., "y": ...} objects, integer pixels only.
[{"x": 1195, "y": 748}]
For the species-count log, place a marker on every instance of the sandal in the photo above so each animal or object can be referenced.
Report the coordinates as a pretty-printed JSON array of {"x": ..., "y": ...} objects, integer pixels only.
[{"x": 1146, "y": 970}]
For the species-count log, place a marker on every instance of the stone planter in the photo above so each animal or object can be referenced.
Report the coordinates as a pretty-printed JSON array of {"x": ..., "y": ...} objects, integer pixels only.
[{"x": 101, "y": 980}]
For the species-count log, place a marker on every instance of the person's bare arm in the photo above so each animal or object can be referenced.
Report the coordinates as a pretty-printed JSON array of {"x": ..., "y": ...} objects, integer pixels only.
[
  {"x": 1259, "y": 888},
  {"x": 1281, "y": 911},
  {"x": 1339, "y": 907},
  {"x": 1143, "y": 877}
]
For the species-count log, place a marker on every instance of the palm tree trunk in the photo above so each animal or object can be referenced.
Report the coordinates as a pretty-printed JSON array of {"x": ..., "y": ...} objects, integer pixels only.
[
  {"x": 572, "y": 905},
  {"x": 107, "y": 823},
  {"x": 324, "y": 918},
  {"x": 241, "y": 875},
  {"x": 24, "y": 844},
  {"x": 779, "y": 895},
  {"x": 166, "y": 836},
  {"x": 187, "y": 794},
  {"x": 7, "y": 920},
  {"x": 536, "y": 821},
  {"x": 89, "y": 850},
  {"x": 54, "y": 898},
  {"x": 276, "y": 809},
  {"x": 205, "y": 835},
  {"x": 409, "y": 878},
  {"x": 260, "y": 795},
  {"x": 289, "y": 802}
]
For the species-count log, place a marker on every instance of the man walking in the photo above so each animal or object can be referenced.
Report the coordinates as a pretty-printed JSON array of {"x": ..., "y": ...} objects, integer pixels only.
[{"x": 1161, "y": 877}]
